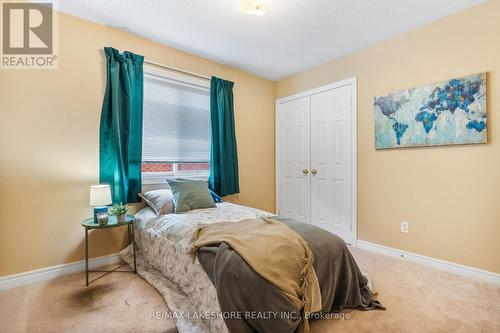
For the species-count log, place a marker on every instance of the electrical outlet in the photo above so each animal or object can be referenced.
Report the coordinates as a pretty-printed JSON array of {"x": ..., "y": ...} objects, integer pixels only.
[{"x": 404, "y": 227}]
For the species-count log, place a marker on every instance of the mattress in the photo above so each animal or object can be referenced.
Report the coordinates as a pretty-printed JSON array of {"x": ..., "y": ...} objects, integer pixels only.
[{"x": 164, "y": 242}]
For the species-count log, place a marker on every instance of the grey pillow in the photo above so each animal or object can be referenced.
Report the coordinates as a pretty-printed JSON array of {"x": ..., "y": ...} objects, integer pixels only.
[
  {"x": 190, "y": 194},
  {"x": 161, "y": 201}
]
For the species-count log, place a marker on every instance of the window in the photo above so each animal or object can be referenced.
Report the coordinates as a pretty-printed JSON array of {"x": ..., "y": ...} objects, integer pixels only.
[{"x": 176, "y": 129}]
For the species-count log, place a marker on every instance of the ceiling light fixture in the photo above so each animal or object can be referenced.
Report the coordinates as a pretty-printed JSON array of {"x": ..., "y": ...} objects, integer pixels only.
[{"x": 254, "y": 7}]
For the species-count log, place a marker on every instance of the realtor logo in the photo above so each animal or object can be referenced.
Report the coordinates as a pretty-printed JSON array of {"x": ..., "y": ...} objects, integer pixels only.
[{"x": 28, "y": 35}]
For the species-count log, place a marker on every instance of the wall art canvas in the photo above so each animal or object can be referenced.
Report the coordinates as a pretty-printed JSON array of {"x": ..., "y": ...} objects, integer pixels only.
[{"x": 446, "y": 113}]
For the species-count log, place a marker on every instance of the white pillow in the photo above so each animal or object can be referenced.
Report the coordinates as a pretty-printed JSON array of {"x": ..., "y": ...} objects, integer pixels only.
[{"x": 161, "y": 201}]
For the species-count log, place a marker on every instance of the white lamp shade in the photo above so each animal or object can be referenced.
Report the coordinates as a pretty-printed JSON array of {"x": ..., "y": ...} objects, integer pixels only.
[{"x": 100, "y": 195}]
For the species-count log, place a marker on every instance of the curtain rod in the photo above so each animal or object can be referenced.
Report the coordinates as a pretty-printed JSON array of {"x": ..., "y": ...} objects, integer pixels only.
[{"x": 176, "y": 69}]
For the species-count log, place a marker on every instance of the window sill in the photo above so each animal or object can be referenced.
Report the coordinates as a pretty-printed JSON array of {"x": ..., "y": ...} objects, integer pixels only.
[{"x": 160, "y": 178}]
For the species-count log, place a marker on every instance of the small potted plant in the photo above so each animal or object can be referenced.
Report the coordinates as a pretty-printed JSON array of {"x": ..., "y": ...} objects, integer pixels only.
[{"x": 120, "y": 211}]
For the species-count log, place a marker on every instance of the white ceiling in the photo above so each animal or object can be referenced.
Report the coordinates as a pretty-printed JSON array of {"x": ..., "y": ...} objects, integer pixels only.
[{"x": 292, "y": 36}]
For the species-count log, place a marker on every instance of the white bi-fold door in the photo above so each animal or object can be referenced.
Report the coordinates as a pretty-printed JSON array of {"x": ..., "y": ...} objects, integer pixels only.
[
  {"x": 294, "y": 156},
  {"x": 316, "y": 158}
]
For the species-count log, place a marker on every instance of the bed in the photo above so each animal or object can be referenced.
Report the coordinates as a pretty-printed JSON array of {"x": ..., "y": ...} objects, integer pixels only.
[
  {"x": 163, "y": 243},
  {"x": 163, "y": 260}
]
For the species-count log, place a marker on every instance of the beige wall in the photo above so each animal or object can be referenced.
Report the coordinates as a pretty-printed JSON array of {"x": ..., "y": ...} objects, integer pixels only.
[
  {"x": 449, "y": 195},
  {"x": 49, "y": 124}
]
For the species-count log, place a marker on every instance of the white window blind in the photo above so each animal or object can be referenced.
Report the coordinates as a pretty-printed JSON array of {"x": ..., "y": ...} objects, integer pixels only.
[{"x": 176, "y": 121}]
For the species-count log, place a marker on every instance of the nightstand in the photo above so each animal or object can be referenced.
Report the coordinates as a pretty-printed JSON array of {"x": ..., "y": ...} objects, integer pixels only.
[{"x": 89, "y": 224}]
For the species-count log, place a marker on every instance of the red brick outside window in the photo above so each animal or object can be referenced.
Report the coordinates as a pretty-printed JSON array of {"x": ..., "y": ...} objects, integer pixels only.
[
  {"x": 157, "y": 167},
  {"x": 193, "y": 166},
  {"x": 169, "y": 167}
]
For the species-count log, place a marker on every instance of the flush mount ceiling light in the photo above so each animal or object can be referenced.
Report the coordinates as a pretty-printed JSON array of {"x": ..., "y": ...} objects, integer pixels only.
[{"x": 254, "y": 7}]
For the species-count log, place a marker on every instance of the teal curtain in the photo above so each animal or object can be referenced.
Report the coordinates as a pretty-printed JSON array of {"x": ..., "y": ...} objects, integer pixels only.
[
  {"x": 120, "y": 135},
  {"x": 223, "y": 158}
]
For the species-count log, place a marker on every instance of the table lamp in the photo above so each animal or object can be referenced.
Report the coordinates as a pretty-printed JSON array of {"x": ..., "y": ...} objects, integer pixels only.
[{"x": 100, "y": 197}]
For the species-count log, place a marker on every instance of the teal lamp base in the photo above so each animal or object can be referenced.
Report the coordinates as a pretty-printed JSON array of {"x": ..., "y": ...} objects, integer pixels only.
[{"x": 99, "y": 209}]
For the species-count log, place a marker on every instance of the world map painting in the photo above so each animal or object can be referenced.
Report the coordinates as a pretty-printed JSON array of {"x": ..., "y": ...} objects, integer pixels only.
[{"x": 445, "y": 113}]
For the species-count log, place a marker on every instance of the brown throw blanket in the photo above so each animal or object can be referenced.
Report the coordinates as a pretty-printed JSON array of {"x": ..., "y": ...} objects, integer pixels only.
[
  {"x": 275, "y": 252},
  {"x": 263, "y": 307}
]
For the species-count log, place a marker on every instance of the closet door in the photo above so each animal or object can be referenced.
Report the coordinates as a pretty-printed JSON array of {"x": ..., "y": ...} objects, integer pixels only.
[
  {"x": 294, "y": 159},
  {"x": 331, "y": 179}
]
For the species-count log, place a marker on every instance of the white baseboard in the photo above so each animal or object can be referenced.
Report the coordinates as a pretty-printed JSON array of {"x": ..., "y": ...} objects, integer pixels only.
[
  {"x": 49, "y": 273},
  {"x": 444, "y": 265}
]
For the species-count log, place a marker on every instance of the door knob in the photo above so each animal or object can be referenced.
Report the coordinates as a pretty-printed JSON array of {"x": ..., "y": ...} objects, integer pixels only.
[
  {"x": 305, "y": 171},
  {"x": 314, "y": 171}
]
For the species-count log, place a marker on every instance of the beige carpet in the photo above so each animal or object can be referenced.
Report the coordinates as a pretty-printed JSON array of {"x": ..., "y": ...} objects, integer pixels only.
[{"x": 418, "y": 299}]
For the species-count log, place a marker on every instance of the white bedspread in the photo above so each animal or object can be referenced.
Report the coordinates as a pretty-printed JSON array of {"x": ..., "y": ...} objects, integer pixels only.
[{"x": 164, "y": 241}]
